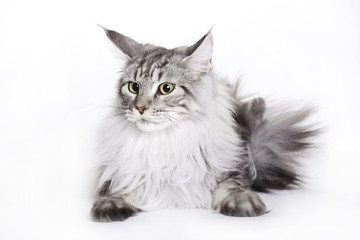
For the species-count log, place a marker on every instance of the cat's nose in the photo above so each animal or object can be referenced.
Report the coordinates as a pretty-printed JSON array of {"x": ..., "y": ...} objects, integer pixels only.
[{"x": 141, "y": 109}]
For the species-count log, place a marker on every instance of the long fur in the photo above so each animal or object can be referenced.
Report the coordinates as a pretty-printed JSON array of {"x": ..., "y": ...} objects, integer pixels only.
[
  {"x": 200, "y": 146},
  {"x": 175, "y": 167},
  {"x": 276, "y": 139}
]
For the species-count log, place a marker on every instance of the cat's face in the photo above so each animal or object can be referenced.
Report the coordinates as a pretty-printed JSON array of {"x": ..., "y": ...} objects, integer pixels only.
[
  {"x": 156, "y": 92},
  {"x": 158, "y": 87}
]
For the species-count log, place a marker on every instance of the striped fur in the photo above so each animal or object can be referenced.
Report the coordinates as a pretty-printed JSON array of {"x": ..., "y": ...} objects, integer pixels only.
[{"x": 199, "y": 146}]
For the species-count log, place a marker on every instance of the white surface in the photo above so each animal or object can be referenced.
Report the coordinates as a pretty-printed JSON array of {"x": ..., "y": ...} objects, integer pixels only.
[{"x": 57, "y": 73}]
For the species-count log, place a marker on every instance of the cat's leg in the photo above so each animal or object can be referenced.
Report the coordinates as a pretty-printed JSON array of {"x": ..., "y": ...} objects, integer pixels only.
[
  {"x": 233, "y": 195},
  {"x": 107, "y": 208},
  {"x": 231, "y": 198}
]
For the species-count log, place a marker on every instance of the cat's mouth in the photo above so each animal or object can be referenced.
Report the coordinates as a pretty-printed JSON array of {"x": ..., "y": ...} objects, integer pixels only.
[
  {"x": 149, "y": 125},
  {"x": 149, "y": 121},
  {"x": 141, "y": 119},
  {"x": 146, "y": 121}
]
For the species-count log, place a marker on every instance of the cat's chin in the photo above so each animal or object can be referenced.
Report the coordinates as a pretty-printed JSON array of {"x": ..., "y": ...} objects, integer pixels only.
[{"x": 147, "y": 126}]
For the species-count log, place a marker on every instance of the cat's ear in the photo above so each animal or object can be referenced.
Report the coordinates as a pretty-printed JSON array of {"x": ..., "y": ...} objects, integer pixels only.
[
  {"x": 127, "y": 45},
  {"x": 198, "y": 56}
]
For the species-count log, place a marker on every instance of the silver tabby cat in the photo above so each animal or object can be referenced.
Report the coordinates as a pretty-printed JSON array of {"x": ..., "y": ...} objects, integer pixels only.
[{"x": 179, "y": 136}]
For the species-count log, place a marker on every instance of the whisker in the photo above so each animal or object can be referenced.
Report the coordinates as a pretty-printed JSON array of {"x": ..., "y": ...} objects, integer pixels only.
[
  {"x": 197, "y": 118},
  {"x": 179, "y": 112},
  {"x": 106, "y": 106},
  {"x": 112, "y": 116},
  {"x": 172, "y": 117},
  {"x": 116, "y": 107},
  {"x": 121, "y": 113},
  {"x": 168, "y": 118}
]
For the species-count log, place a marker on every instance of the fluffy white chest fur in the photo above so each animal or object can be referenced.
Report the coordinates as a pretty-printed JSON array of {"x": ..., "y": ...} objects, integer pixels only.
[{"x": 175, "y": 167}]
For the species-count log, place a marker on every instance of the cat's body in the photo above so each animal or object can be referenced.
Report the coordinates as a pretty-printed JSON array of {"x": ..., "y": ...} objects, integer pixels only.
[
  {"x": 180, "y": 137},
  {"x": 173, "y": 167}
]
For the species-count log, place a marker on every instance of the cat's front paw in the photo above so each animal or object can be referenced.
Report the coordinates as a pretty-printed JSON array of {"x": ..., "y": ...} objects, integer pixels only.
[
  {"x": 243, "y": 204},
  {"x": 108, "y": 209}
]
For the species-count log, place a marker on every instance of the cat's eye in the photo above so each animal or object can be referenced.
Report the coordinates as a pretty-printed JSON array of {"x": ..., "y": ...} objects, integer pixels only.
[
  {"x": 166, "y": 88},
  {"x": 134, "y": 87}
]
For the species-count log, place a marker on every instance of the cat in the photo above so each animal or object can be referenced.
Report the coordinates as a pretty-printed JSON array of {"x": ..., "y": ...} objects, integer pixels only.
[{"x": 180, "y": 136}]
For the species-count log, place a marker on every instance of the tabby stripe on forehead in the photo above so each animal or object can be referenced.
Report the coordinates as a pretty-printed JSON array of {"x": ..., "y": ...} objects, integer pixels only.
[
  {"x": 140, "y": 67},
  {"x": 154, "y": 66},
  {"x": 135, "y": 74},
  {"x": 143, "y": 70},
  {"x": 164, "y": 61},
  {"x": 149, "y": 64},
  {"x": 160, "y": 75}
]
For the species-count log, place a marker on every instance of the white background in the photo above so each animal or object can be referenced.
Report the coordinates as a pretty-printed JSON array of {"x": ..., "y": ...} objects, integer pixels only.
[{"x": 58, "y": 72}]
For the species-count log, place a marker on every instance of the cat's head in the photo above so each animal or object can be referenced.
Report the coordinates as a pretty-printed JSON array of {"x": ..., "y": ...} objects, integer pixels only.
[{"x": 161, "y": 87}]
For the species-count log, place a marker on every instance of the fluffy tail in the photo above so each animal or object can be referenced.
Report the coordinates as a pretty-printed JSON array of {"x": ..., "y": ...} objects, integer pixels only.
[{"x": 275, "y": 141}]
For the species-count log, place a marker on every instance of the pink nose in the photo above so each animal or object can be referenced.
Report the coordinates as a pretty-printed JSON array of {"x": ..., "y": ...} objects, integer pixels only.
[{"x": 140, "y": 109}]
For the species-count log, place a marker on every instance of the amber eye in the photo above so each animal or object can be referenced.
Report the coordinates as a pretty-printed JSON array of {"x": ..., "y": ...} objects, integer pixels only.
[
  {"x": 134, "y": 87},
  {"x": 166, "y": 88}
]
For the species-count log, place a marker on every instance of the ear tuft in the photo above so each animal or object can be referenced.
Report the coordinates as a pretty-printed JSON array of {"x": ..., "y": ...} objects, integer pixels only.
[
  {"x": 199, "y": 55},
  {"x": 127, "y": 45}
]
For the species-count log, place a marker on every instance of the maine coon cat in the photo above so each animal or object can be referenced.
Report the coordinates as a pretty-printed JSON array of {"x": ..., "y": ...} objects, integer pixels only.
[{"x": 179, "y": 136}]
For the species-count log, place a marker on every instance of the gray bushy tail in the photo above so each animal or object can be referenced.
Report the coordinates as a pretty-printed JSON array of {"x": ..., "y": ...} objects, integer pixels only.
[{"x": 275, "y": 139}]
